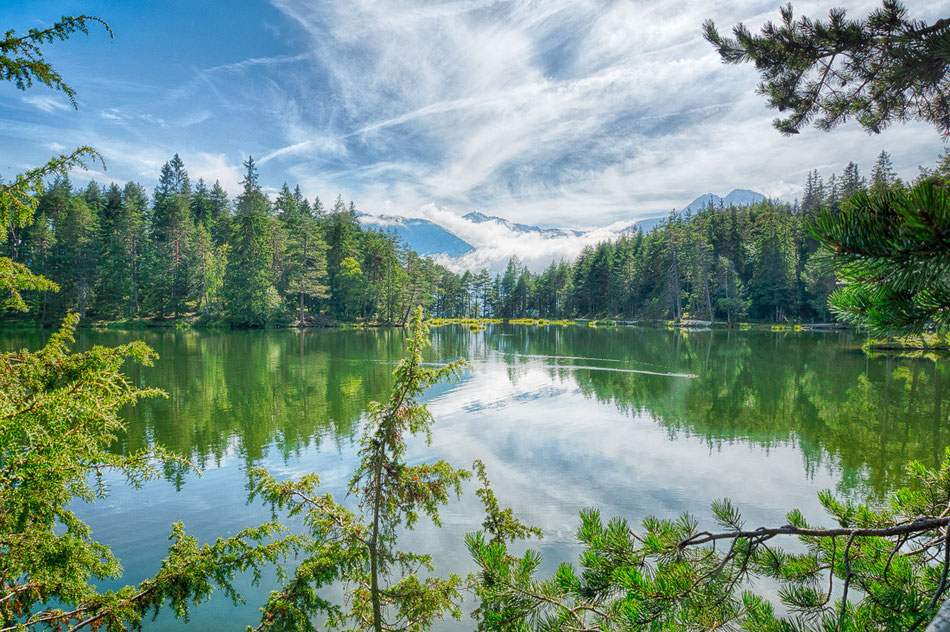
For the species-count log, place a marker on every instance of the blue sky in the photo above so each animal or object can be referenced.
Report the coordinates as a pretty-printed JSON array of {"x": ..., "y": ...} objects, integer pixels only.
[{"x": 544, "y": 111}]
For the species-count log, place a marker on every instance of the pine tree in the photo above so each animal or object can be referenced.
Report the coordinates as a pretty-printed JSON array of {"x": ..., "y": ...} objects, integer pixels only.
[
  {"x": 219, "y": 220},
  {"x": 889, "y": 250},
  {"x": 201, "y": 205},
  {"x": 774, "y": 264},
  {"x": 833, "y": 194},
  {"x": 74, "y": 266},
  {"x": 386, "y": 589},
  {"x": 172, "y": 261},
  {"x": 113, "y": 284},
  {"x": 341, "y": 233},
  {"x": 884, "y": 68}
]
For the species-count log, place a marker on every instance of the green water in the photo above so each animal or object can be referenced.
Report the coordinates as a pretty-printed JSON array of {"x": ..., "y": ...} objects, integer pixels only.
[{"x": 633, "y": 421}]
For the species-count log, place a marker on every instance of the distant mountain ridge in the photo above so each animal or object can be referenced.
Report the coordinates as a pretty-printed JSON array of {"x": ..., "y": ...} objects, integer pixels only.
[
  {"x": 736, "y": 197},
  {"x": 431, "y": 239},
  {"x": 425, "y": 237},
  {"x": 479, "y": 218}
]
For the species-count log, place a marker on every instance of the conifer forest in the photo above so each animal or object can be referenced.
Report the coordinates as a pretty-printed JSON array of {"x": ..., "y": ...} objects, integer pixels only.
[{"x": 120, "y": 253}]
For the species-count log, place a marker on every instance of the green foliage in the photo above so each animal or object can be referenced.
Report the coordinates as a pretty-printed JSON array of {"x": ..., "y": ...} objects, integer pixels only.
[
  {"x": 16, "y": 278},
  {"x": 889, "y": 249},
  {"x": 116, "y": 256},
  {"x": 673, "y": 576},
  {"x": 387, "y": 589},
  {"x": 886, "y": 67},
  {"x": 249, "y": 280},
  {"x": 59, "y": 412},
  {"x": 21, "y": 58}
]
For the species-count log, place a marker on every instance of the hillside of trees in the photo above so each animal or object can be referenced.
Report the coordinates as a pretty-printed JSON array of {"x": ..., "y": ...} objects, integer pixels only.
[{"x": 188, "y": 250}]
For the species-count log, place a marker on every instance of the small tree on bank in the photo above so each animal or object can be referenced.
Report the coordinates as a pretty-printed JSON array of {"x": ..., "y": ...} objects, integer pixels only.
[{"x": 387, "y": 589}]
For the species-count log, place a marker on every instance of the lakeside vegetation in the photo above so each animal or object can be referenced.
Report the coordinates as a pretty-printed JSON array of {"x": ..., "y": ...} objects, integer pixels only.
[{"x": 190, "y": 255}]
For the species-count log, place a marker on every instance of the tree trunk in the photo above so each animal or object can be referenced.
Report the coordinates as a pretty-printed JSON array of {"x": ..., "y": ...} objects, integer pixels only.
[{"x": 374, "y": 543}]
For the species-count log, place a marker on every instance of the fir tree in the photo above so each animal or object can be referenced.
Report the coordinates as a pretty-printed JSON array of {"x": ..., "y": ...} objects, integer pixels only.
[{"x": 851, "y": 181}]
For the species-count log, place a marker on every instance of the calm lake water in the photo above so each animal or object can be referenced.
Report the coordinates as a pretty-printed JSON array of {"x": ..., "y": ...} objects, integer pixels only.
[{"x": 635, "y": 422}]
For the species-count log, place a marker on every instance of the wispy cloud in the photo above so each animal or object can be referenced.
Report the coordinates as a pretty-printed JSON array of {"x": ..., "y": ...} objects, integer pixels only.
[
  {"x": 48, "y": 103},
  {"x": 547, "y": 111},
  {"x": 244, "y": 64},
  {"x": 558, "y": 112}
]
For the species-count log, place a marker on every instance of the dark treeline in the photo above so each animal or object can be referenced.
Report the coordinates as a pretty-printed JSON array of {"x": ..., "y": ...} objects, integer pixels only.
[
  {"x": 117, "y": 254},
  {"x": 188, "y": 250}
]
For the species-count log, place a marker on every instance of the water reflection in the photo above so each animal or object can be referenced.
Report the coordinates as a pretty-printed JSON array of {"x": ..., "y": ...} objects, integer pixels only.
[
  {"x": 632, "y": 421},
  {"x": 285, "y": 391}
]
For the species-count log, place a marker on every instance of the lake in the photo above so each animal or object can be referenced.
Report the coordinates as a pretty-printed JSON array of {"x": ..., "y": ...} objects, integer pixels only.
[{"x": 633, "y": 421}]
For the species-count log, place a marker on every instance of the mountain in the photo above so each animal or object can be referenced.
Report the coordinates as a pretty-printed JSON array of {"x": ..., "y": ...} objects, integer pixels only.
[
  {"x": 423, "y": 236},
  {"x": 736, "y": 197},
  {"x": 479, "y": 218},
  {"x": 429, "y": 238},
  {"x": 648, "y": 224}
]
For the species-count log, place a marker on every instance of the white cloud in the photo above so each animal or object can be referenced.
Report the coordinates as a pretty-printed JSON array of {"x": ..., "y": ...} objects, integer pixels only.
[
  {"x": 214, "y": 167},
  {"x": 560, "y": 112},
  {"x": 495, "y": 244},
  {"x": 48, "y": 104},
  {"x": 550, "y": 112}
]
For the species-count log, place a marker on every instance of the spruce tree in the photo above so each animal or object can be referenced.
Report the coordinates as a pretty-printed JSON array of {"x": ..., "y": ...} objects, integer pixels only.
[
  {"x": 306, "y": 264},
  {"x": 219, "y": 220},
  {"x": 112, "y": 288},
  {"x": 75, "y": 261},
  {"x": 250, "y": 296},
  {"x": 851, "y": 181},
  {"x": 172, "y": 262}
]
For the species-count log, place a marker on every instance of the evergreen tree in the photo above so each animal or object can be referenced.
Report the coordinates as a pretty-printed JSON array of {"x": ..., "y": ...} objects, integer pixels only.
[
  {"x": 306, "y": 263},
  {"x": 113, "y": 285},
  {"x": 219, "y": 220},
  {"x": 889, "y": 251},
  {"x": 75, "y": 261},
  {"x": 851, "y": 181},
  {"x": 171, "y": 258},
  {"x": 883, "y": 176},
  {"x": 814, "y": 194},
  {"x": 250, "y": 295},
  {"x": 386, "y": 589},
  {"x": 201, "y": 205},
  {"x": 341, "y": 233},
  {"x": 833, "y": 194},
  {"x": 774, "y": 264}
]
